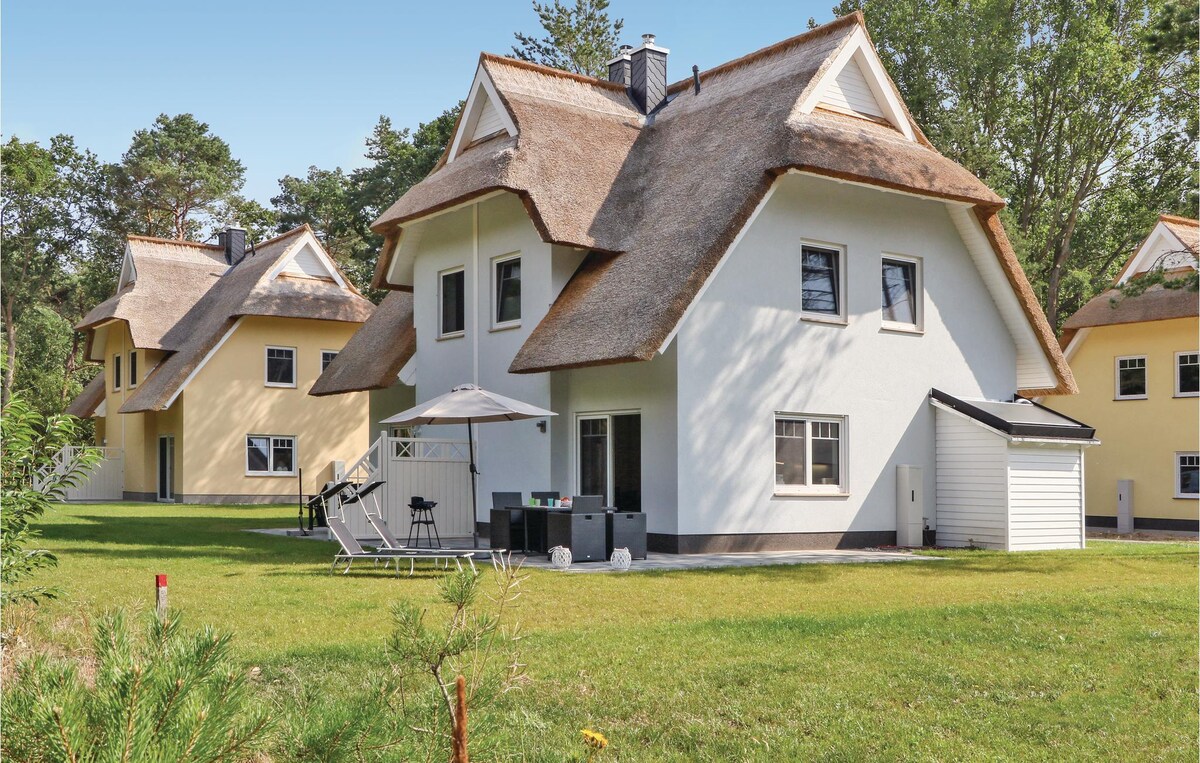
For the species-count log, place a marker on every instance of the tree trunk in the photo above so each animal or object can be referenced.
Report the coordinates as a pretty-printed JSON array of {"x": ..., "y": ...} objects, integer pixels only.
[
  {"x": 10, "y": 338},
  {"x": 459, "y": 739}
]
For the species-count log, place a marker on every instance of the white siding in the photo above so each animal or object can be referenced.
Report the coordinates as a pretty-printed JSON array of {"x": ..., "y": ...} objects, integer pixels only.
[
  {"x": 1046, "y": 497},
  {"x": 489, "y": 120},
  {"x": 972, "y": 484},
  {"x": 850, "y": 92},
  {"x": 306, "y": 264}
]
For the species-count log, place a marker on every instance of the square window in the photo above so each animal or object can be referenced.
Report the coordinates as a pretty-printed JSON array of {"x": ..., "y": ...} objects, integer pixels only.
[
  {"x": 508, "y": 291},
  {"x": 901, "y": 293},
  {"x": 133, "y": 371},
  {"x": 821, "y": 282},
  {"x": 1131, "y": 378},
  {"x": 270, "y": 454},
  {"x": 1187, "y": 374},
  {"x": 809, "y": 455},
  {"x": 452, "y": 299},
  {"x": 281, "y": 367},
  {"x": 116, "y": 368},
  {"x": 327, "y": 357},
  {"x": 1187, "y": 475}
]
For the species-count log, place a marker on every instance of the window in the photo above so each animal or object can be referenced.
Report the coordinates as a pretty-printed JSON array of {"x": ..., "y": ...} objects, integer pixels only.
[
  {"x": 116, "y": 372},
  {"x": 1187, "y": 374},
  {"x": 809, "y": 454},
  {"x": 822, "y": 295},
  {"x": 133, "y": 376},
  {"x": 1131, "y": 378},
  {"x": 270, "y": 454},
  {"x": 452, "y": 301},
  {"x": 327, "y": 357},
  {"x": 281, "y": 366},
  {"x": 507, "y": 273},
  {"x": 1187, "y": 475},
  {"x": 901, "y": 290}
]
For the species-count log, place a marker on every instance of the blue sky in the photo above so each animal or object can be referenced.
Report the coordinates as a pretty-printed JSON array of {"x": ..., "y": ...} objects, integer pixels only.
[{"x": 299, "y": 83}]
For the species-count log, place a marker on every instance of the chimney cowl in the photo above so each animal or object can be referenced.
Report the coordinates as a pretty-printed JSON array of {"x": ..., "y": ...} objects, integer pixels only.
[{"x": 233, "y": 241}]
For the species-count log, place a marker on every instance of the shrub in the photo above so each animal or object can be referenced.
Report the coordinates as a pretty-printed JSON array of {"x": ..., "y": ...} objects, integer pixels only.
[
  {"x": 30, "y": 479},
  {"x": 167, "y": 696}
]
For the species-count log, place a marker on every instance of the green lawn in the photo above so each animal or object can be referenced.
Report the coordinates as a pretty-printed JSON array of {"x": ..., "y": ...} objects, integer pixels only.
[{"x": 1034, "y": 656}]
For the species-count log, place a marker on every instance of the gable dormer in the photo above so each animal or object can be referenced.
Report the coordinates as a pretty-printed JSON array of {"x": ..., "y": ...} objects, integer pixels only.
[
  {"x": 855, "y": 83},
  {"x": 484, "y": 116},
  {"x": 128, "y": 271},
  {"x": 307, "y": 259}
]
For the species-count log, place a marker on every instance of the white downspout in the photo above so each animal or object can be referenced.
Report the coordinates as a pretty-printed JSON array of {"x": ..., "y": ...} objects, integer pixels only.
[{"x": 475, "y": 293}]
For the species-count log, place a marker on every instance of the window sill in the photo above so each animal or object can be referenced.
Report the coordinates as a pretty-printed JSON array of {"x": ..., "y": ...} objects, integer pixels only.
[
  {"x": 270, "y": 474},
  {"x": 811, "y": 494},
  {"x": 1188, "y": 497},
  {"x": 505, "y": 327},
  {"x": 902, "y": 328},
  {"x": 1187, "y": 394},
  {"x": 832, "y": 320},
  {"x": 452, "y": 335},
  {"x": 1131, "y": 397},
  {"x": 280, "y": 386}
]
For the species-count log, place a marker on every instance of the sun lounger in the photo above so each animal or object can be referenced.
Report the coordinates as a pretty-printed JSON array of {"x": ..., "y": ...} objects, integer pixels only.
[
  {"x": 389, "y": 539},
  {"x": 352, "y": 550}
]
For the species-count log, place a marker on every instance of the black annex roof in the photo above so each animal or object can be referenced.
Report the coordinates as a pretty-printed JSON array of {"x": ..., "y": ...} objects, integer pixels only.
[{"x": 1020, "y": 418}]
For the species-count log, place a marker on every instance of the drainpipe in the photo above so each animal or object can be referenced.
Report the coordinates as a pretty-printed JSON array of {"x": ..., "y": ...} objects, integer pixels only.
[{"x": 475, "y": 293}]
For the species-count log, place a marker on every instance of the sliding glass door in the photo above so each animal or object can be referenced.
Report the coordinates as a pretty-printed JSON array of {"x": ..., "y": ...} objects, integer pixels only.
[{"x": 610, "y": 458}]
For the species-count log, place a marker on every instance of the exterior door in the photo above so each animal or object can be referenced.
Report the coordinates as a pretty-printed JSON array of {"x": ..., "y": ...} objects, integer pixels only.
[
  {"x": 166, "y": 468},
  {"x": 610, "y": 458}
]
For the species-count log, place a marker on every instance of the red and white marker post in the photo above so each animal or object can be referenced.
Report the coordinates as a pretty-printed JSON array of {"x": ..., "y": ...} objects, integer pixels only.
[{"x": 160, "y": 596}]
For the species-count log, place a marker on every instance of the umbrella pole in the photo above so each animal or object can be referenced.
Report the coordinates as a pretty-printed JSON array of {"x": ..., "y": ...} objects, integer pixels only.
[{"x": 474, "y": 490}]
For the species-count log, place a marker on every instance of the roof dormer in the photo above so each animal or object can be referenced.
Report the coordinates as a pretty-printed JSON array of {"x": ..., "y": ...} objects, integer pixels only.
[
  {"x": 856, "y": 84},
  {"x": 484, "y": 116}
]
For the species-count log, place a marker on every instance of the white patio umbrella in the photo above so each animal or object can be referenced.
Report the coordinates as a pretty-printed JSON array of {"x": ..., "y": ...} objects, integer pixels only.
[{"x": 470, "y": 405}]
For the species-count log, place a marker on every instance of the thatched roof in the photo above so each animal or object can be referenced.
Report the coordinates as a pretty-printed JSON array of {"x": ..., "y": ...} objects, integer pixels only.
[
  {"x": 1154, "y": 304},
  {"x": 86, "y": 402},
  {"x": 375, "y": 354},
  {"x": 185, "y": 298},
  {"x": 658, "y": 201},
  {"x": 169, "y": 278}
]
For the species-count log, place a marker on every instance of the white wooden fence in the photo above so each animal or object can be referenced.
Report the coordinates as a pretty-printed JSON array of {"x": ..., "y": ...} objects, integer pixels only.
[
  {"x": 103, "y": 482},
  {"x": 434, "y": 469}
]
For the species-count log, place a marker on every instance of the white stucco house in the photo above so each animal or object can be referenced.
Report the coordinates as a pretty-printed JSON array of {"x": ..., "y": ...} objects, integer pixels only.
[{"x": 736, "y": 291}]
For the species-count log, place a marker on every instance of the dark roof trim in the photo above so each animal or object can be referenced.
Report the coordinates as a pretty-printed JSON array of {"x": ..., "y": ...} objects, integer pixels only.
[{"x": 1077, "y": 431}]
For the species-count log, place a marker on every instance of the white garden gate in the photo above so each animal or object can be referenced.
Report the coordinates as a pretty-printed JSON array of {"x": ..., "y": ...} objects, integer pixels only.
[
  {"x": 435, "y": 469},
  {"x": 103, "y": 482}
]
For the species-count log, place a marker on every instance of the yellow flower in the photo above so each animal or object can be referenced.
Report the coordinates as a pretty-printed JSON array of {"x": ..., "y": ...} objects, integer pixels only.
[{"x": 594, "y": 739}]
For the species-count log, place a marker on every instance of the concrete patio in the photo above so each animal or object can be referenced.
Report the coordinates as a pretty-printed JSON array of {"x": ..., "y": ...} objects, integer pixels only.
[{"x": 655, "y": 561}]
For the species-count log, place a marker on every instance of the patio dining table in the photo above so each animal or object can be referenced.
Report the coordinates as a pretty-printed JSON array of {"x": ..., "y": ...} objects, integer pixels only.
[{"x": 530, "y": 512}]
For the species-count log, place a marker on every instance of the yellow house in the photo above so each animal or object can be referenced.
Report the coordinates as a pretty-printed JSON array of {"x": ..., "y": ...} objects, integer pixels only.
[
  {"x": 208, "y": 353},
  {"x": 1136, "y": 362}
]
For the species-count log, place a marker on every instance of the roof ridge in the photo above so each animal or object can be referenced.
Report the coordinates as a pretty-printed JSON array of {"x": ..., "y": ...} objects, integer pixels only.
[
  {"x": 1164, "y": 217},
  {"x": 749, "y": 58},
  {"x": 175, "y": 241},
  {"x": 294, "y": 231},
  {"x": 550, "y": 70}
]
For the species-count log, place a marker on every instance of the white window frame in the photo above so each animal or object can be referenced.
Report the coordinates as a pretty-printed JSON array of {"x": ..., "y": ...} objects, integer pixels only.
[
  {"x": 131, "y": 370},
  {"x": 498, "y": 325},
  {"x": 266, "y": 363},
  {"x": 442, "y": 334},
  {"x": 1178, "y": 367},
  {"x": 843, "y": 486},
  {"x": 1117, "y": 377},
  {"x": 271, "y": 438},
  {"x": 1178, "y": 472},
  {"x": 116, "y": 372},
  {"x": 841, "y": 317},
  {"x": 918, "y": 326},
  {"x": 325, "y": 365}
]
